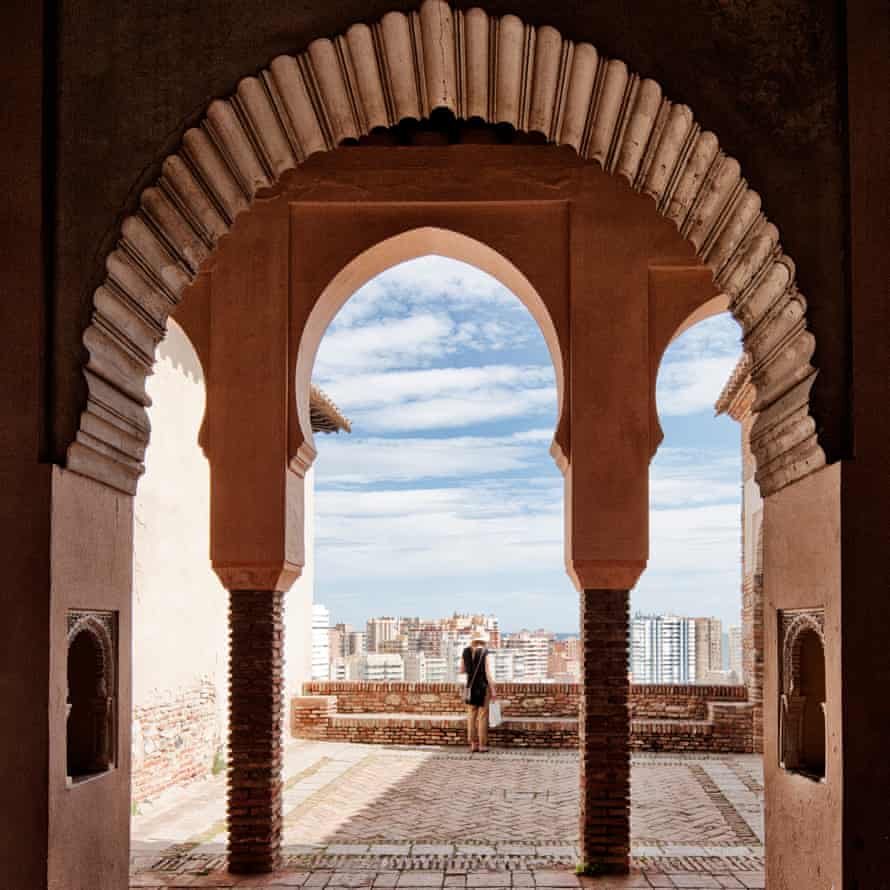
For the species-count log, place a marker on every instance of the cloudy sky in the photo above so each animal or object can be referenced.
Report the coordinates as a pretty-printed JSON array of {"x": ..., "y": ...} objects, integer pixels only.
[{"x": 445, "y": 497}]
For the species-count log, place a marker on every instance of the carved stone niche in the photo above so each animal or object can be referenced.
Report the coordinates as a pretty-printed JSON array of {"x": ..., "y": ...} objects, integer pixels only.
[
  {"x": 803, "y": 730},
  {"x": 92, "y": 693}
]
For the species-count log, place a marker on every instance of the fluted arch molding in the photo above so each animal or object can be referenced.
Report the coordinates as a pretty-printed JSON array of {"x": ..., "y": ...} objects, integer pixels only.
[{"x": 499, "y": 70}]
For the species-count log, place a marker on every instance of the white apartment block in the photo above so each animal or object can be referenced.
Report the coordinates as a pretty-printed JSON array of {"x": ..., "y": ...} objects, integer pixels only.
[
  {"x": 378, "y": 667},
  {"x": 530, "y": 655},
  {"x": 321, "y": 647},
  {"x": 503, "y": 665},
  {"x": 663, "y": 649},
  {"x": 423, "y": 668}
]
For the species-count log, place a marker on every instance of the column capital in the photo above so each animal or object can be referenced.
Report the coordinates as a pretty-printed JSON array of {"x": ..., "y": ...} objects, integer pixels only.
[
  {"x": 273, "y": 577},
  {"x": 602, "y": 574}
]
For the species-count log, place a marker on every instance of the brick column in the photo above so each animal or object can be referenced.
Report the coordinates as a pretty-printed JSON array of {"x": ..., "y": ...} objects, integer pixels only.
[
  {"x": 256, "y": 711},
  {"x": 604, "y": 732}
]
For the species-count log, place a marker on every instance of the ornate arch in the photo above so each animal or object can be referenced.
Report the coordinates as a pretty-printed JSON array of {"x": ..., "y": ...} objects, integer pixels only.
[
  {"x": 100, "y": 629},
  {"x": 499, "y": 70},
  {"x": 792, "y": 635}
]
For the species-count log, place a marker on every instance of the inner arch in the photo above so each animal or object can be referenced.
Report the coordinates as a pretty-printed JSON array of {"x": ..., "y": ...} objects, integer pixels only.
[{"x": 401, "y": 248}]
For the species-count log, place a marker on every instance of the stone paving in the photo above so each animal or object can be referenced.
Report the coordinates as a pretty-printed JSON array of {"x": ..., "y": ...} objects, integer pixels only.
[{"x": 368, "y": 817}]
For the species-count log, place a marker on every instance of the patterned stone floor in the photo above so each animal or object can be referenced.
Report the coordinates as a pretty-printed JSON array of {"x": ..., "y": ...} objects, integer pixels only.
[{"x": 368, "y": 816}]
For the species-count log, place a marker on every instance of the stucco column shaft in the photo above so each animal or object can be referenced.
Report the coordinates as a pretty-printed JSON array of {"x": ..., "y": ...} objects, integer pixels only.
[
  {"x": 256, "y": 711},
  {"x": 604, "y": 732}
]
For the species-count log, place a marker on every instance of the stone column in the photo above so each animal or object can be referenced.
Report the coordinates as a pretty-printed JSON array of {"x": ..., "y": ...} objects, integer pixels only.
[
  {"x": 256, "y": 712},
  {"x": 604, "y": 732}
]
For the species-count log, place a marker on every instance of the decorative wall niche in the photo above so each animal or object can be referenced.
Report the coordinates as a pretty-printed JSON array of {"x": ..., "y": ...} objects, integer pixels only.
[
  {"x": 92, "y": 693},
  {"x": 803, "y": 727}
]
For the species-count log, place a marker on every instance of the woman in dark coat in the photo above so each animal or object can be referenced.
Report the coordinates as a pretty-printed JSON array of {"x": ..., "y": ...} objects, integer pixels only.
[{"x": 479, "y": 692}]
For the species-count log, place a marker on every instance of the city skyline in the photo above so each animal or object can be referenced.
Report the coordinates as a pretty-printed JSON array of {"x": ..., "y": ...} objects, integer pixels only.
[
  {"x": 664, "y": 649},
  {"x": 445, "y": 496}
]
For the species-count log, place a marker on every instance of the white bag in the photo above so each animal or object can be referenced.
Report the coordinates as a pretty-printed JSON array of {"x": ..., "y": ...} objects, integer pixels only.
[{"x": 494, "y": 714}]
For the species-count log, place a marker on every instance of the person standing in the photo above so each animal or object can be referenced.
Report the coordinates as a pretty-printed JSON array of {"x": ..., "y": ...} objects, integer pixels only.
[{"x": 479, "y": 693}]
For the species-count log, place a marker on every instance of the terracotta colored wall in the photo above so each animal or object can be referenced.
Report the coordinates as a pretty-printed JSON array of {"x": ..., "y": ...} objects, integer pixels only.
[
  {"x": 802, "y": 569},
  {"x": 180, "y": 608},
  {"x": 765, "y": 76},
  {"x": 25, "y": 485},
  {"x": 865, "y": 504},
  {"x": 92, "y": 546}
]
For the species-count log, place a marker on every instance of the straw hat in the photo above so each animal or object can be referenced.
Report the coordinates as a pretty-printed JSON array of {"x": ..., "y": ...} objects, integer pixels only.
[{"x": 479, "y": 637}]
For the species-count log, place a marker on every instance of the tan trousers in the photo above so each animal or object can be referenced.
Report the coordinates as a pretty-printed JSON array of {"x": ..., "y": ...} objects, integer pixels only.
[{"x": 477, "y": 724}]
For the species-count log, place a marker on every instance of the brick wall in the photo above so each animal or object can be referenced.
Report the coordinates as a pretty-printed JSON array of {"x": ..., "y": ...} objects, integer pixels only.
[
  {"x": 663, "y": 718},
  {"x": 175, "y": 739},
  {"x": 517, "y": 699}
]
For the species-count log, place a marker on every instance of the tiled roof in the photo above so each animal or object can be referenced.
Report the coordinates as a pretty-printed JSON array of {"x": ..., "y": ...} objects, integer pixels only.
[
  {"x": 324, "y": 414},
  {"x": 740, "y": 374}
]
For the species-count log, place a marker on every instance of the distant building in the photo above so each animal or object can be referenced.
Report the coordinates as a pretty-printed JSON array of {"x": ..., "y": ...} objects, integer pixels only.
[
  {"x": 380, "y": 629},
  {"x": 380, "y": 668},
  {"x": 503, "y": 665},
  {"x": 321, "y": 647},
  {"x": 423, "y": 668},
  {"x": 708, "y": 649},
  {"x": 735, "y": 654},
  {"x": 564, "y": 661},
  {"x": 531, "y": 649},
  {"x": 662, "y": 649}
]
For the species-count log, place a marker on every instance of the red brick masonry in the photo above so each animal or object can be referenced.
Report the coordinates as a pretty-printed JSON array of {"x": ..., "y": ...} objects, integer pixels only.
[
  {"x": 175, "y": 739},
  {"x": 256, "y": 712},
  {"x": 538, "y": 715}
]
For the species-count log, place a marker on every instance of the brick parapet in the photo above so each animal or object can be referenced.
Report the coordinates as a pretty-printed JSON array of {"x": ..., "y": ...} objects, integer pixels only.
[
  {"x": 256, "y": 708},
  {"x": 662, "y": 717}
]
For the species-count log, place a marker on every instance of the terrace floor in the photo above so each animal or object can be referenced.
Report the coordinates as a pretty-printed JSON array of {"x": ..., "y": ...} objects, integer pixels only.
[{"x": 366, "y": 816}]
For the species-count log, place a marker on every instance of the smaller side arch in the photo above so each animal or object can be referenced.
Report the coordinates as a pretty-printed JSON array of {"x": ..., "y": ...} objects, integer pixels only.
[
  {"x": 400, "y": 248},
  {"x": 91, "y": 676},
  {"x": 803, "y": 729}
]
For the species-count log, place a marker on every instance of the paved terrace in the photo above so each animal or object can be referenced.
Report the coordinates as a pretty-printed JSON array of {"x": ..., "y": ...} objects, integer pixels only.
[{"x": 368, "y": 817}]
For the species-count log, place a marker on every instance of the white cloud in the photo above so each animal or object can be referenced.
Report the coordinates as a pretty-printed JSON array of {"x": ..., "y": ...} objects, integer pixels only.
[
  {"x": 425, "y": 280},
  {"x": 395, "y": 343},
  {"x": 687, "y": 387},
  {"x": 443, "y": 398},
  {"x": 683, "y": 476},
  {"x": 361, "y": 461},
  {"x": 697, "y": 365}
]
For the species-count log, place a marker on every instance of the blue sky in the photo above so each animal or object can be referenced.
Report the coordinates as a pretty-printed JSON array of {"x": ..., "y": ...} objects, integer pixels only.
[{"x": 445, "y": 497}]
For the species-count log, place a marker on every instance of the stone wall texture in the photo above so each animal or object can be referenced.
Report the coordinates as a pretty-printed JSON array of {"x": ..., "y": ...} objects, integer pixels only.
[
  {"x": 537, "y": 715},
  {"x": 175, "y": 739}
]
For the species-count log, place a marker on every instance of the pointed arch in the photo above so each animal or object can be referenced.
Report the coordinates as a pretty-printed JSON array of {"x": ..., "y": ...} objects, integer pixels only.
[
  {"x": 410, "y": 245},
  {"x": 405, "y": 66}
]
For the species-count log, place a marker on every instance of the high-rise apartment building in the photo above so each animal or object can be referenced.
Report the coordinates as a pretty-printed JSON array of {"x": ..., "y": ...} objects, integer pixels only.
[
  {"x": 531, "y": 649},
  {"x": 503, "y": 662},
  {"x": 662, "y": 649},
  {"x": 321, "y": 650},
  {"x": 708, "y": 649},
  {"x": 380, "y": 629}
]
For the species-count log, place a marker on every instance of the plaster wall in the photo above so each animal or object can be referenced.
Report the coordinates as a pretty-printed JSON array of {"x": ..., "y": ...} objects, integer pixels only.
[
  {"x": 802, "y": 569},
  {"x": 91, "y": 568},
  {"x": 180, "y": 608},
  {"x": 180, "y": 626}
]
